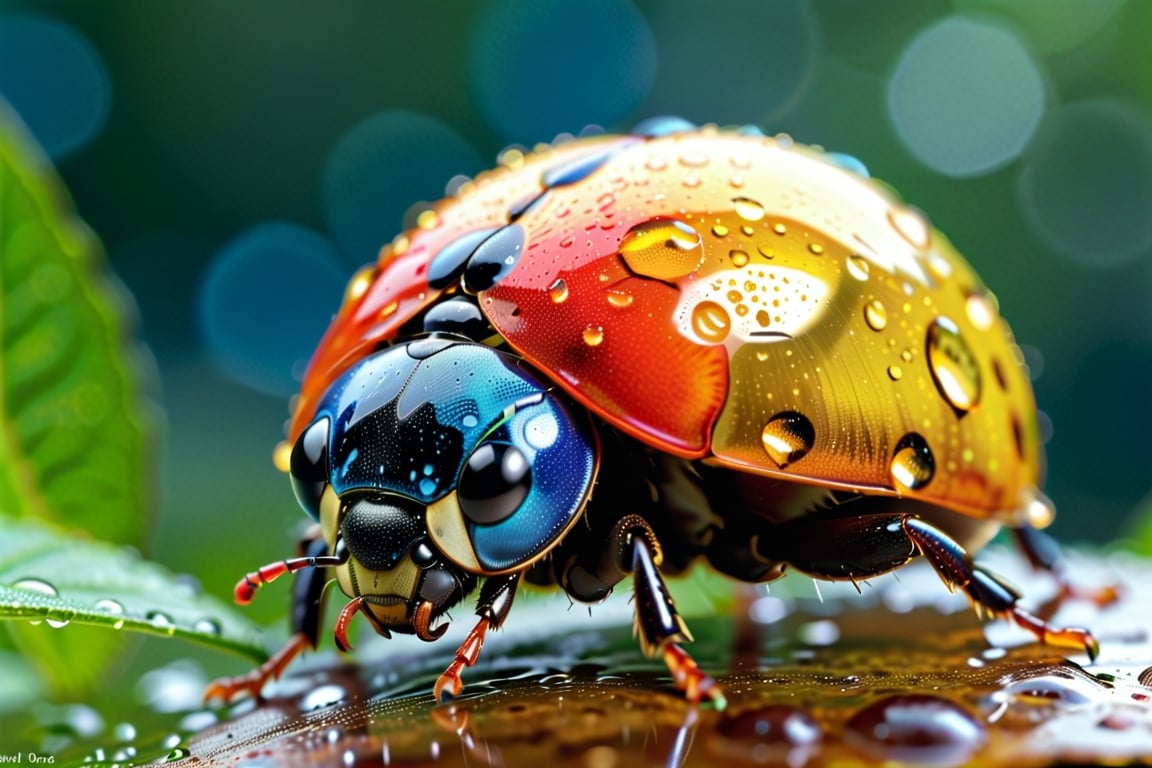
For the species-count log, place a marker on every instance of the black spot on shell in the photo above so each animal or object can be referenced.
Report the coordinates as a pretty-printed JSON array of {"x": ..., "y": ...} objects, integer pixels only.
[
  {"x": 494, "y": 259},
  {"x": 447, "y": 265},
  {"x": 578, "y": 169}
]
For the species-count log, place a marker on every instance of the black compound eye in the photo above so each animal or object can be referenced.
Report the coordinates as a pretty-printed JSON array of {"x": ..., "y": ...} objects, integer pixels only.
[
  {"x": 309, "y": 466},
  {"x": 494, "y": 483}
]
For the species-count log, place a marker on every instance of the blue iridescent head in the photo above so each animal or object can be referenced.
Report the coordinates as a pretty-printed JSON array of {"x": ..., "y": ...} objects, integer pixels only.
[{"x": 446, "y": 454}]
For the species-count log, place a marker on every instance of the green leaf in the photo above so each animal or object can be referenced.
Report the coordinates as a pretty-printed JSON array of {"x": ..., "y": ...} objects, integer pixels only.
[
  {"x": 74, "y": 444},
  {"x": 58, "y": 581}
]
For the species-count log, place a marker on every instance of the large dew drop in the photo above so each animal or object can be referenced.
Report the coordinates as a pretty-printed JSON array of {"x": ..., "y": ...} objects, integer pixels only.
[
  {"x": 664, "y": 249},
  {"x": 913, "y": 464},
  {"x": 787, "y": 437},
  {"x": 112, "y": 608},
  {"x": 748, "y": 209},
  {"x": 953, "y": 365},
  {"x": 38, "y": 586}
]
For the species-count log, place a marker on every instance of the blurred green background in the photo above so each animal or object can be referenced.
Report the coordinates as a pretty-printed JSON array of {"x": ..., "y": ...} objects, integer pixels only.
[{"x": 240, "y": 160}]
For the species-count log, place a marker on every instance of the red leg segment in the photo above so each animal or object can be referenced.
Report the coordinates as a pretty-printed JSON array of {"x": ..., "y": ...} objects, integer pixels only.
[
  {"x": 989, "y": 593},
  {"x": 247, "y": 586},
  {"x": 252, "y": 683},
  {"x": 449, "y": 683}
]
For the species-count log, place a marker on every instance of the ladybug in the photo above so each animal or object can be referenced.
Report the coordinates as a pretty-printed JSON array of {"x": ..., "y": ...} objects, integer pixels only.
[{"x": 619, "y": 354}]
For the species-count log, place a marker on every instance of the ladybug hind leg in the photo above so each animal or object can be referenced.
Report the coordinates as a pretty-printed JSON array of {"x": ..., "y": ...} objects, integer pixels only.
[
  {"x": 990, "y": 594},
  {"x": 858, "y": 546},
  {"x": 1043, "y": 554}
]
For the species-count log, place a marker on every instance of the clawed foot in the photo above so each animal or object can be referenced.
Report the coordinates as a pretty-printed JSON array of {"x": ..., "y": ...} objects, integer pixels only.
[
  {"x": 689, "y": 678},
  {"x": 1076, "y": 638},
  {"x": 449, "y": 685},
  {"x": 228, "y": 688}
]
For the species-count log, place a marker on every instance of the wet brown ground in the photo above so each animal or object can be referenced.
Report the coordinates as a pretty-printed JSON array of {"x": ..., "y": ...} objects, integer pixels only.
[{"x": 895, "y": 676}]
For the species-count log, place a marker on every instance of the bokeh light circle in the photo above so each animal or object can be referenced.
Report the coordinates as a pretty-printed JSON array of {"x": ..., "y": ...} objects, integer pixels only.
[
  {"x": 1086, "y": 186},
  {"x": 728, "y": 68},
  {"x": 1051, "y": 26},
  {"x": 55, "y": 80},
  {"x": 380, "y": 168},
  {"x": 966, "y": 97},
  {"x": 265, "y": 301},
  {"x": 551, "y": 66}
]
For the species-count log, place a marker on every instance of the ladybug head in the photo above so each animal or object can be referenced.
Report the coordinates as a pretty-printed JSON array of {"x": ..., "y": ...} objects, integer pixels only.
[{"x": 434, "y": 462}]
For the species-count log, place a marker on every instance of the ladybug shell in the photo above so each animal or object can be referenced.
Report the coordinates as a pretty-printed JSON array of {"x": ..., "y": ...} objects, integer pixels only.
[{"x": 732, "y": 298}]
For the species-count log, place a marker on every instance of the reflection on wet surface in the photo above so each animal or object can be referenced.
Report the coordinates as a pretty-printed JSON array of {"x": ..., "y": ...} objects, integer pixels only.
[{"x": 814, "y": 687}]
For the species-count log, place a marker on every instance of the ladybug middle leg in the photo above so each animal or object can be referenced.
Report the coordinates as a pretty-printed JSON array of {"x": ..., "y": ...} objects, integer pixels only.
[
  {"x": 588, "y": 573},
  {"x": 858, "y": 546}
]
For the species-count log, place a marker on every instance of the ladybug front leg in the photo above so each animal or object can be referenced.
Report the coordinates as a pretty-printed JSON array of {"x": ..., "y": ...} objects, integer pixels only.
[
  {"x": 307, "y": 616},
  {"x": 658, "y": 625},
  {"x": 495, "y": 602}
]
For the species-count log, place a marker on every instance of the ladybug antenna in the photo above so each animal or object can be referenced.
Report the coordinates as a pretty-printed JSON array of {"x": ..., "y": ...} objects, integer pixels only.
[{"x": 247, "y": 586}]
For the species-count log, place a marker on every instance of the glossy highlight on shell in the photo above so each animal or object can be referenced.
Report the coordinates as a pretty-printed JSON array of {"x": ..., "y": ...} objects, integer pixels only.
[{"x": 735, "y": 303}]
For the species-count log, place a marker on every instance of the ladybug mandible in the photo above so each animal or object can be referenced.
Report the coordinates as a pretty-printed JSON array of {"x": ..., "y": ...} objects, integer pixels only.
[{"x": 616, "y": 355}]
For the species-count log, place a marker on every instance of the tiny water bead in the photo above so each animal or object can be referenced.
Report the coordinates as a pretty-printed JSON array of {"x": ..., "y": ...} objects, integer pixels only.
[
  {"x": 558, "y": 291},
  {"x": 981, "y": 311},
  {"x": 748, "y": 209},
  {"x": 207, "y": 627},
  {"x": 59, "y": 618},
  {"x": 876, "y": 315},
  {"x": 321, "y": 697},
  {"x": 858, "y": 267},
  {"x": 593, "y": 335},
  {"x": 162, "y": 622}
]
